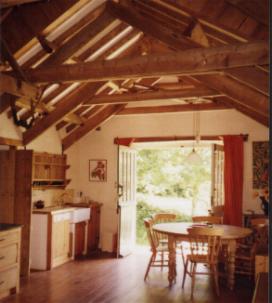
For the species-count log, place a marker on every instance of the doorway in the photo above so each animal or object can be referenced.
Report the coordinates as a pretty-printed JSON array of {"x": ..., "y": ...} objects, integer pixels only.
[{"x": 166, "y": 181}]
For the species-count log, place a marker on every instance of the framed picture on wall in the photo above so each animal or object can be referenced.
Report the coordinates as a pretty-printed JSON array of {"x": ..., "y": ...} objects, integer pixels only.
[{"x": 98, "y": 170}]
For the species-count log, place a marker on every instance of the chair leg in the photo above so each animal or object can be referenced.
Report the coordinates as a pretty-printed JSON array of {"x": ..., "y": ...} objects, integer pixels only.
[
  {"x": 148, "y": 266},
  {"x": 184, "y": 273},
  {"x": 182, "y": 255},
  {"x": 215, "y": 273},
  {"x": 193, "y": 280},
  {"x": 162, "y": 259}
]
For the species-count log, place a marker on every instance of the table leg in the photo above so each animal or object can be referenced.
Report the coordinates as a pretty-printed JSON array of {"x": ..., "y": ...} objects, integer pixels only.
[
  {"x": 172, "y": 259},
  {"x": 231, "y": 263}
]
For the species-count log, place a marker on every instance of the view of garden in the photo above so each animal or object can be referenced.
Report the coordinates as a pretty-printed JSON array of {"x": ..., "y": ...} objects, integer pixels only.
[{"x": 166, "y": 182}]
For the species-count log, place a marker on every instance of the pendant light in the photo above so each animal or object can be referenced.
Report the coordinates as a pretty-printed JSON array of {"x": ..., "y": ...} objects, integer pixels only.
[{"x": 193, "y": 157}]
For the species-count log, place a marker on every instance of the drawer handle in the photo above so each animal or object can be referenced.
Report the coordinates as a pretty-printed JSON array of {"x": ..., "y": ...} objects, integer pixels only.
[
  {"x": 2, "y": 257},
  {"x": 3, "y": 239},
  {"x": 2, "y": 282}
]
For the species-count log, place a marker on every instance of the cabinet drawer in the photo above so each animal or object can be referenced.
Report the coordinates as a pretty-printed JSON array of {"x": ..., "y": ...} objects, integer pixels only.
[
  {"x": 8, "y": 279},
  {"x": 8, "y": 255},
  {"x": 8, "y": 237}
]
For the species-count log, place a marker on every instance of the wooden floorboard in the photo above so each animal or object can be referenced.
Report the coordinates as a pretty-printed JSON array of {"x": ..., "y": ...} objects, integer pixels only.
[{"x": 110, "y": 280}]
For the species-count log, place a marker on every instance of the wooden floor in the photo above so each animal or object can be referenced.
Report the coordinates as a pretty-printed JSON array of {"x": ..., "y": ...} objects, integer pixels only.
[{"x": 120, "y": 281}]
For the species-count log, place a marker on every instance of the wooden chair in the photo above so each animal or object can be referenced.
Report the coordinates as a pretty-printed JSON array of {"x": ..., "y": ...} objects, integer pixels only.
[
  {"x": 205, "y": 243},
  {"x": 217, "y": 210},
  {"x": 158, "y": 251},
  {"x": 163, "y": 239},
  {"x": 258, "y": 221},
  {"x": 163, "y": 218},
  {"x": 246, "y": 253},
  {"x": 208, "y": 219}
]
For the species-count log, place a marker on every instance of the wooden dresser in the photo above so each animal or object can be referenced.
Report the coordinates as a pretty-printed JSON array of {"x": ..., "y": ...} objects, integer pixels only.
[{"x": 10, "y": 245}]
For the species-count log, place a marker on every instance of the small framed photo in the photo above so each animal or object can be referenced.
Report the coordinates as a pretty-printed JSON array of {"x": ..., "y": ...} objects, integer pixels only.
[{"x": 98, "y": 170}]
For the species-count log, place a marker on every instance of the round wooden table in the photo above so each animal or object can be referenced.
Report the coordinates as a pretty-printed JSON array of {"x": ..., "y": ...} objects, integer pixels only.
[{"x": 177, "y": 231}]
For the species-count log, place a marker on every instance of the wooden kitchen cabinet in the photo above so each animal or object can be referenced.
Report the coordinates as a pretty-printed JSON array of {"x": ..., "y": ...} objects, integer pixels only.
[
  {"x": 15, "y": 196},
  {"x": 49, "y": 170},
  {"x": 60, "y": 246},
  {"x": 94, "y": 227},
  {"x": 50, "y": 239},
  {"x": 10, "y": 244},
  {"x": 79, "y": 238}
]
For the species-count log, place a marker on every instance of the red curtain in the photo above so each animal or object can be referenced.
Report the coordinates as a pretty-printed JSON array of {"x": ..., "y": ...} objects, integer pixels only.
[
  {"x": 124, "y": 141},
  {"x": 233, "y": 179}
]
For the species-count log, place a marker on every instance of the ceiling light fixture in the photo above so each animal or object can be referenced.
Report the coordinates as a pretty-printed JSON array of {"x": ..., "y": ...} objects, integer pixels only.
[{"x": 193, "y": 157}]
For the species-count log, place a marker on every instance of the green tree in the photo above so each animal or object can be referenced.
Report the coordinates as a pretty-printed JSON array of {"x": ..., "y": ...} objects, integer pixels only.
[{"x": 167, "y": 173}]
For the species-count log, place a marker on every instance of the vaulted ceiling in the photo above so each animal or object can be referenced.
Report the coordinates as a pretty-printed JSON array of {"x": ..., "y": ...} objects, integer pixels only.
[{"x": 76, "y": 64}]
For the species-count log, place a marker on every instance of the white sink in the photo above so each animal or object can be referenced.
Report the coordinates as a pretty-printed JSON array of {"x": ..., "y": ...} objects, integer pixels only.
[{"x": 80, "y": 214}]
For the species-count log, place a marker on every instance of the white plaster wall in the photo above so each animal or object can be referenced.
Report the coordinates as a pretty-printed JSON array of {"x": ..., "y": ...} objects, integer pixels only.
[
  {"x": 8, "y": 129},
  {"x": 99, "y": 145},
  {"x": 49, "y": 141}
]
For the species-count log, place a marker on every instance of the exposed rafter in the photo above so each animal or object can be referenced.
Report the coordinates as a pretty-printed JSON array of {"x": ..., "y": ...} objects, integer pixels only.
[
  {"x": 252, "y": 101},
  {"x": 155, "y": 95},
  {"x": 172, "y": 108},
  {"x": 79, "y": 39},
  {"x": 91, "y": 124},
  {"x": 65, "y": 106}
]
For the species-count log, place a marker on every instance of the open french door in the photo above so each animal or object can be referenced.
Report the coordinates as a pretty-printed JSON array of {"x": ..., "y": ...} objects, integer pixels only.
[
  {"x": 126, "y": 206},
  {"x": 217, "y": 197}
]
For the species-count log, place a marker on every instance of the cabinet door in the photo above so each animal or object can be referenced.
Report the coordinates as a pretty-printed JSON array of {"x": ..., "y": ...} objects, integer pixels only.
[
  {"x": 79, "y": 238},
  {"x": 60, "y": 242},
  {"x": 94, "y": 228},
  {"x": 7, "y": 185}
]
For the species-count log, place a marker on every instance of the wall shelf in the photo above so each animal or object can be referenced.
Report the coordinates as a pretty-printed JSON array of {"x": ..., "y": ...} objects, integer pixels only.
[{"x": 49, "y": 171}]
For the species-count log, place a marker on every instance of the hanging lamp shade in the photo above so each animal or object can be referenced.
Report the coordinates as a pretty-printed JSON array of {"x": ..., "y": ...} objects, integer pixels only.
[{"x": 194, "y": 158}]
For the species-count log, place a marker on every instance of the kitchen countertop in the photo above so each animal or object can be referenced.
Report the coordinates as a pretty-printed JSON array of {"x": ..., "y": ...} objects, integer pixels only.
[
  {"x": 7, "y": 226},
  {"x": 52, "y": 210}
]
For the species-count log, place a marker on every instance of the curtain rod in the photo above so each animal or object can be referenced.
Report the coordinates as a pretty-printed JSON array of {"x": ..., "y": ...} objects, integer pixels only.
[{"x": 171, "y": 138}]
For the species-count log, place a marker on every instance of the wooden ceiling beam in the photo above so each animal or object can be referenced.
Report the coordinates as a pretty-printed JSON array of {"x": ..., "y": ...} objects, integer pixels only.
[
  {"x": 80, "y": 95},
  {"x": 246, "y": 97},
  {"x": 188, "y": 62},
  {"x": 41, "y": 15},
  {"x": 172, "y": 108},
  {"x": 153, "y": 96},
  {"x": 17, "y": 87},
  {"x": 63, "y": 107},
  {"x": 206, "y": 21},
  {"x": 91, "y": 124},
  {"x": 90, "y": 17},
  {"x": 79, "y": 39}
]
